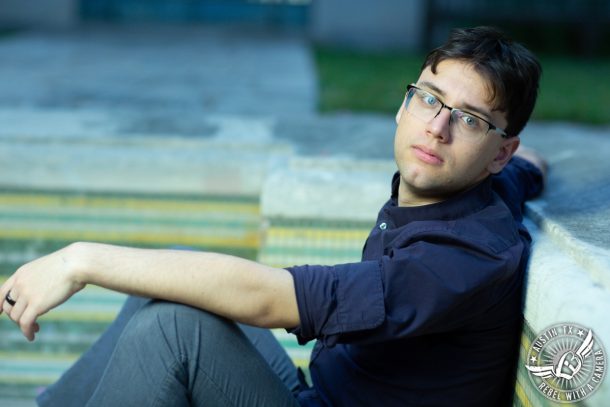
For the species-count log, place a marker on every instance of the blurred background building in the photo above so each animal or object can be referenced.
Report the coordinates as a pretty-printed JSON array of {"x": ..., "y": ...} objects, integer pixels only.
[{"x": 577, "y": 26}]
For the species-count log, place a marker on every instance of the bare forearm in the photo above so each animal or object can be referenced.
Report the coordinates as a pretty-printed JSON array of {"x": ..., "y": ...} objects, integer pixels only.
[{"x": 239, "y": 289}]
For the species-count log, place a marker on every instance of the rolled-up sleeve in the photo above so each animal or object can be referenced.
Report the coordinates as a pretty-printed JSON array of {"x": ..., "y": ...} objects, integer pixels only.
[
  {"x": 333, "y": 300},
  {"x": 426, "y": 287}
]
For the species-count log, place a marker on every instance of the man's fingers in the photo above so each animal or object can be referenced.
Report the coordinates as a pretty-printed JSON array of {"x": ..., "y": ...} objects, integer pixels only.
[
  {"x": 7, "y": 306},
  {"x": 4, "y": 289},
  {"x": 26, "y": 320},
  {"x": 28, "y": 324},
  {"x": 18, "y": 309},
  {"x": 23, "y": 315}
]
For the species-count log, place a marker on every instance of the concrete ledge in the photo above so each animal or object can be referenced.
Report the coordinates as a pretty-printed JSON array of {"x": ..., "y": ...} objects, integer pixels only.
[
  {"x": 560, "y": 288},
  {"x": 593, "y": 260},
  {"x": 89, "y": 151},
  {"x": 326, "y": 188}
]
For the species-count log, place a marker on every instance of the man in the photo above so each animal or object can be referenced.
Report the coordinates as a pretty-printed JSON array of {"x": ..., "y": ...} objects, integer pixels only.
[{"x": 431, "y": 316}]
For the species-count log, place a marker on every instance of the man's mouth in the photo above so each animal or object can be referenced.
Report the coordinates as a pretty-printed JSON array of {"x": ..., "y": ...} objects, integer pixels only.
[{"x": 426, "y": 155}]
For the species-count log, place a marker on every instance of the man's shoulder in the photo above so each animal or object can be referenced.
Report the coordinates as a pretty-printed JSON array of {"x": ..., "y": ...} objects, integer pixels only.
[
  {"x": 519, "y": 181},
  {"x": 494, "y": 226}
]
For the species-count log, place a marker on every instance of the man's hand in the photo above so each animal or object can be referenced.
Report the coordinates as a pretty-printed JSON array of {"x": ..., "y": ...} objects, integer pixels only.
[{"x": 37, "y": 287}]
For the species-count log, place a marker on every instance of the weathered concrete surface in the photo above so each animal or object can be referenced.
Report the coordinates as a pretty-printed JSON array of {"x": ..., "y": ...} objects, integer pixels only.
[
  {"x": 90, "y": 152},
  {"x": 575, "y": 207},
  {"x": 340, "y": 189},
  {"x": 170, "y": 68},
  {"x": 561, "y": 288}
]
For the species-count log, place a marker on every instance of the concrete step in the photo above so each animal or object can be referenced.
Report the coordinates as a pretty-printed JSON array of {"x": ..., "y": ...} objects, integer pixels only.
[{"x": 35, "y": 222}]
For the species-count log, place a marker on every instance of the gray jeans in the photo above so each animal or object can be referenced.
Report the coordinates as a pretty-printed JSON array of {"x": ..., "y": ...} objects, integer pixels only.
[{"x": 158, "y": 353}]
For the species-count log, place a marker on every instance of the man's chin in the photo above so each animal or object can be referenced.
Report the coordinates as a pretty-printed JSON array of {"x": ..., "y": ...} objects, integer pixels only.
[{"x": 423, "y": 192}]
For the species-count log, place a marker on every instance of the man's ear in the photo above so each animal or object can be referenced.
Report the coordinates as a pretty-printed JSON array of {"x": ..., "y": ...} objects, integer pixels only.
[
  {"x": 507, "y": 149},
  {"x": 400, "y": 109}
]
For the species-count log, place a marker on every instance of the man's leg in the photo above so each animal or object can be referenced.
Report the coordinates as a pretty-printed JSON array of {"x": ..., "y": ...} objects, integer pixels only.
[
  {"x": 174, "y": 355},
  {"x": 76, "y": 386},
  {"x": 78, "y": 383},
  {"x": 275, "y": 355}
]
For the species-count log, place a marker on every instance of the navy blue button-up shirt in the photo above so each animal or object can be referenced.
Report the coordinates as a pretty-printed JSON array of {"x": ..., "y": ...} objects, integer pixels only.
[{"x": 431, "y": 316}]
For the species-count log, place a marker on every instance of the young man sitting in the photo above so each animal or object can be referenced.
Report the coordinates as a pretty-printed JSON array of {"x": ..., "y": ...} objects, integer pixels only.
[{"x": 431, "y": 315}]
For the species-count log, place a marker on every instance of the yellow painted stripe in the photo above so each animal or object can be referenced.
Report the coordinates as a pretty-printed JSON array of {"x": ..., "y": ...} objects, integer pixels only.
[
  {"x": 316, "y": 233},
  {"x": 38, "y": 356},
  {"x": 75, "y": 316},
  {"x": 38, "y": 380},
  {"x": 138, "y": 203},
  {"x": 122, "y": 228},
  {"x": 522, "y": 396},
  {"x": 525, "y": 340},
  {"x": 249, "y": 241},
  {"x": 302, "y": 363},
  {"x": 290, "y": 263}
]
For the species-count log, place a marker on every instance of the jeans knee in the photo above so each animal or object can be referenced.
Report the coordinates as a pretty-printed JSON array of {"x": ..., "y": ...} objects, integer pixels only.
[
  {"x": 155, "y": 316},
  {"x": 176, "y": 323}
]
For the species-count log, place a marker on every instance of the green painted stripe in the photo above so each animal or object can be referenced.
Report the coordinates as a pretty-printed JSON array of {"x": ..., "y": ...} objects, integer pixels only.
[
  {"x": 38, "y": 246},
  {"x": 248, "y": 241},
  {"x": 311, "y": 223},
  {"x": 82, "y": 203},
  {"x": 250, "y": 199},
  {"x": 233, "y": 236},
  {"x": 312, "y": 251},
  {"x": 238, "y": 237},
  {"x": 27, "y": 384},
  {"x": 14, "y": 370},
  {"x": 229, "y": 222},
  {"x": 19, "y": 391},
  {"x": 282, "y": 262}
]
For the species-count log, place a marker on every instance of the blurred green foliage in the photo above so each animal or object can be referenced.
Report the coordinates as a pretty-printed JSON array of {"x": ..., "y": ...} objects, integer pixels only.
[
  {"x": 572, "y": 89},
  {"x": 7, "y": 32}
]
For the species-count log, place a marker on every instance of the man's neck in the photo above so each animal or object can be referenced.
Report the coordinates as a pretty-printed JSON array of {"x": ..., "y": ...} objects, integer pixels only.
[{"x": 408, "y": 197}]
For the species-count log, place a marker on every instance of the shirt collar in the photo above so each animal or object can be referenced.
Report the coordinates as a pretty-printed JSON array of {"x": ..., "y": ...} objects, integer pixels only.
[{"x": 460, "y": 205}]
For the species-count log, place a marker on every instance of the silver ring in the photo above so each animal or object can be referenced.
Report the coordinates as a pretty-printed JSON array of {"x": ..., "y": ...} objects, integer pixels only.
[{"x": 10, "y": 299}]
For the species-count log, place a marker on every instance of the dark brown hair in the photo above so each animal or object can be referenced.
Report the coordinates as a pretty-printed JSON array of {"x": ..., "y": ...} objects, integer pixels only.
[{"x": 511, "y": 70}]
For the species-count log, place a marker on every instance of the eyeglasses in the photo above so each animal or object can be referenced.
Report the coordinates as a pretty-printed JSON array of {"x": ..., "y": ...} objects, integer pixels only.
[{"x": 425, "y": 106}]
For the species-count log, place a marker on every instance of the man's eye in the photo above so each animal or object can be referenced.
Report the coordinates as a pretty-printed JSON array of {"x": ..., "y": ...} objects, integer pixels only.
[
  {"x": 429, "y": 99},
  {"x": 470, "y": 121}
]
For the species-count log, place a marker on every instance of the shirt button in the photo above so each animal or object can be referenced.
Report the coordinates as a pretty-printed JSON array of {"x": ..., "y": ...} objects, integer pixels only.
[{"x": 383, "y": 226}]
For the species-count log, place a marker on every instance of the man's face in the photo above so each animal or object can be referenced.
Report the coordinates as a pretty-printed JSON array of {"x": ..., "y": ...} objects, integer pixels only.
[{"x": 434, "y": 162}]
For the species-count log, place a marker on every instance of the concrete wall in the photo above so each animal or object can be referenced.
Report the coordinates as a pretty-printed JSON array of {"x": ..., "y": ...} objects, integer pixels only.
[
  {"x": 39, "y": 13},
  {"x": 367, "y": 24}
]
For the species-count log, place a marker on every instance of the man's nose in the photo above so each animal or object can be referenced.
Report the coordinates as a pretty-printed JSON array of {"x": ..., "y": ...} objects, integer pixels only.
[{"x": 439, "y": 125}]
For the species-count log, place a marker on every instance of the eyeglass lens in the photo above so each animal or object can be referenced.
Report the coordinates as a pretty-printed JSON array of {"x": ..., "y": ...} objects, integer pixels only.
[{"x": 425, "y": 106}]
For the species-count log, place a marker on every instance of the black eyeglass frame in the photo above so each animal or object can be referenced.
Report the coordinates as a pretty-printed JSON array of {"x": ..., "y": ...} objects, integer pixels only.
[{"x": 492, "y": 126}]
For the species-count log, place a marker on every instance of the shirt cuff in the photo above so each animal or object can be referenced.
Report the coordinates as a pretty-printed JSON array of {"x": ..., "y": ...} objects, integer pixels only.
[{"x": 335, "y": 300}]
